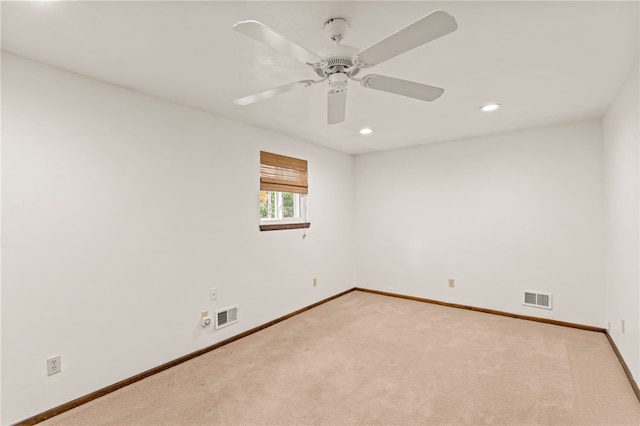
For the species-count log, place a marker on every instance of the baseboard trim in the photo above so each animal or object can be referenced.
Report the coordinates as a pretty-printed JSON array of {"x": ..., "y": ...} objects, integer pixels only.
[
  {"x": 625, "y": 367},
  {"x": 119, "y": 385},
  {"x": 487, "y": 311}
]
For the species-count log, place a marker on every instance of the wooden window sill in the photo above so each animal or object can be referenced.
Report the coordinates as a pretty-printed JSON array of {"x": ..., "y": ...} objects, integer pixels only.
[{"x": 278, "y": 227}]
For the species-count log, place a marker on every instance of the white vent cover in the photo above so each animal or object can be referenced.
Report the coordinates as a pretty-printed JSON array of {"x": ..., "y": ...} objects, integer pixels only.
[
  {"x": 226, "y": 316},
  {"x": 538, "y": 300}
]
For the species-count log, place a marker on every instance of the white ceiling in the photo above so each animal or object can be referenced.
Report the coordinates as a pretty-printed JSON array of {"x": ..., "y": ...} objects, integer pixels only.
[{"x": 545, "y": 62}]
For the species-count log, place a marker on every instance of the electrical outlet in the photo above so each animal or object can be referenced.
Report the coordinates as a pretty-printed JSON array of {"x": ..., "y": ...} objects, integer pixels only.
[
  {"x": 213, "y": 293},
  {"x": 315, "y": 282},
  {"x": 54, "y": 366},
  {"x": 452, "y": 282},
  {"x": 622, "y": 325}
]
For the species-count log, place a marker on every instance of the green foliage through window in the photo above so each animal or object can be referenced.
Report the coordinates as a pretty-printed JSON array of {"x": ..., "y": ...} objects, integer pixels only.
[{"x": 279, "y": 205}]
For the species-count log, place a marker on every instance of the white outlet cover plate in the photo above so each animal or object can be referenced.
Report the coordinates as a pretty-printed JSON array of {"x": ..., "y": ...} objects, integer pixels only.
[
  {"x": 213, "y": 293},
  {"x": 54, "y": 365}
]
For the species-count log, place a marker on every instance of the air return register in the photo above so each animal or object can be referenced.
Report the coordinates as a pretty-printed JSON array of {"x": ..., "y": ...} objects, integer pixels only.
[
  {"x": 226, "y": 316},
  {"x": 537, "y": 300}
]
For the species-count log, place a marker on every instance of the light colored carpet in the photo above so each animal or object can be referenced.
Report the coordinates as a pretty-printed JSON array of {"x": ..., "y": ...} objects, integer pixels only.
[{"x": 370, "y": 359}]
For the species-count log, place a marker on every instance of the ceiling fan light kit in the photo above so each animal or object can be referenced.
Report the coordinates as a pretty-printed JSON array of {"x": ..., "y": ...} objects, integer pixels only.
[{"x": 340, "y": 63}]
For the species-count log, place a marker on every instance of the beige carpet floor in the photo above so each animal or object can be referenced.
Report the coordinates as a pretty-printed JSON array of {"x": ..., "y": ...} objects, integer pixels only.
[{"x": 370, "y": 359}]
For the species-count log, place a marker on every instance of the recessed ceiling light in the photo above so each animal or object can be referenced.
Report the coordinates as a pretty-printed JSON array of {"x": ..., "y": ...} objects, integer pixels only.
[
  {"x": 366, "y": 131},
  {"x": 490, "y": 107}
]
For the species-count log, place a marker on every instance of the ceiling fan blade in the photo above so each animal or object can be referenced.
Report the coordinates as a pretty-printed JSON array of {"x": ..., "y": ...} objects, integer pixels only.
[
  {"x": 266, "y": 35},
  {"x": 402, "y": 87},
  {"x": 272, "y": 92},
  {"x": 336, "y": 106},
  {"x": 434, "y": 25}
]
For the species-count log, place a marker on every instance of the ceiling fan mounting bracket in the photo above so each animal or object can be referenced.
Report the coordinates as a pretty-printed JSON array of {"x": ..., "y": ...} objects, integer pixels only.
[{"x": 336, "y": 28}]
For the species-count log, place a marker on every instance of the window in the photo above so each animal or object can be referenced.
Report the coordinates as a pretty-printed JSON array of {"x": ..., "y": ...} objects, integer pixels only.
[
  {"x": 281, "y": 206},
  {"x": 283, "y": 192}
]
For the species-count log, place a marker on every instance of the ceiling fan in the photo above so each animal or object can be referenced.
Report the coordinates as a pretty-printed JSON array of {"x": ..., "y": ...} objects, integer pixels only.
[{"x": 339, "y": 63}]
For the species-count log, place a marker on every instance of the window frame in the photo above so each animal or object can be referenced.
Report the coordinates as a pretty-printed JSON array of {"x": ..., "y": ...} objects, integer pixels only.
[{"x": 299, "y": 207}]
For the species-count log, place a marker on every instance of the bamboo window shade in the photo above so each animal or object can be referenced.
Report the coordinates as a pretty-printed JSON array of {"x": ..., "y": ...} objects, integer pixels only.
[{"x": 284, "y": 174}]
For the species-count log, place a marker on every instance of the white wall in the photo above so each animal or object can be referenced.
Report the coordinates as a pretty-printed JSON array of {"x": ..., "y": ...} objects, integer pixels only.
[
  {"x": 499, "y": 214},
  {"x": 120, "y": 211},
  {"x": 115, "y": 224},
  {"x": 622, "y": 212}
]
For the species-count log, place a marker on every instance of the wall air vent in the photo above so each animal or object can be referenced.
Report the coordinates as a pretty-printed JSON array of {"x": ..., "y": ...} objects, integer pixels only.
[
  {"x": 538, "y": 300},
  {"x": 226, "y": 316}
]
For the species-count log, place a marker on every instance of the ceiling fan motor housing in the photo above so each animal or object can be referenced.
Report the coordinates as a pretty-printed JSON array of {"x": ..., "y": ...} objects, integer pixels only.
[{"x": 336, "y": 58}]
